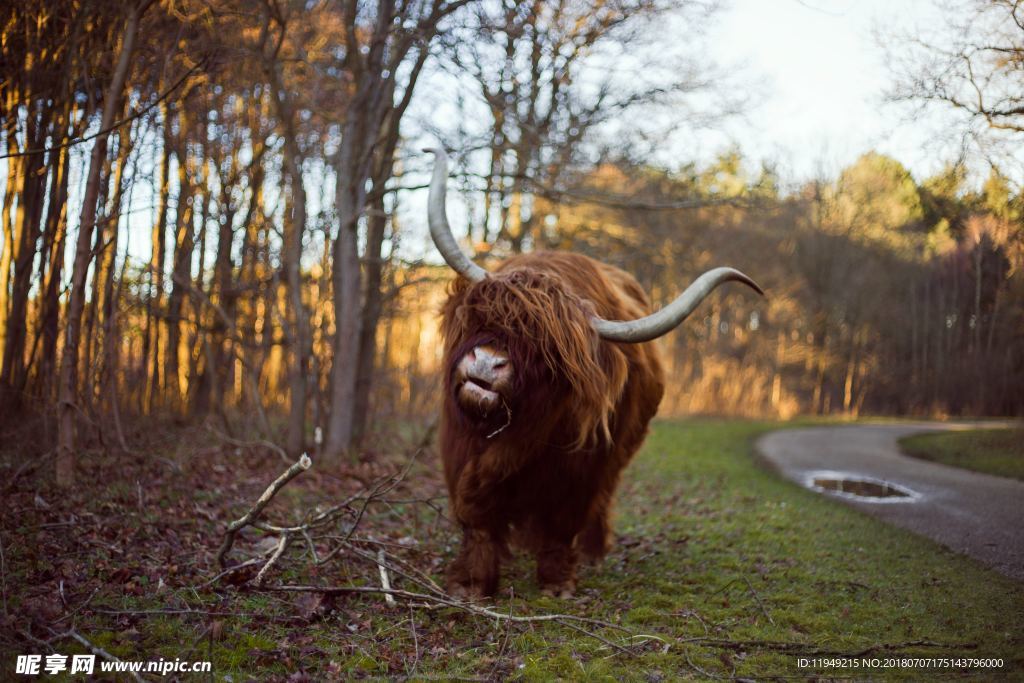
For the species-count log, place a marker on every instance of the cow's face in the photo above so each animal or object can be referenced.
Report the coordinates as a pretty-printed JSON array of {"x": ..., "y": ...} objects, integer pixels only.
[
  {"x": 519, "y": 344},
  {"x": 482, "y": 381},
  {"x": 523, "y": 358}
]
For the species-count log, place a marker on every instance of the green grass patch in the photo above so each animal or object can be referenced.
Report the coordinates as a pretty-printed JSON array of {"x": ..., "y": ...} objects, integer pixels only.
[
  {"x": 720, "y": 569},
  {"x": 992, "y": 451}
]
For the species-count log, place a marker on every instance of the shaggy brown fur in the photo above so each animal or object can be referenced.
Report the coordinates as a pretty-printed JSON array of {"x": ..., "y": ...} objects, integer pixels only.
[{"x": 579, "y": 411}]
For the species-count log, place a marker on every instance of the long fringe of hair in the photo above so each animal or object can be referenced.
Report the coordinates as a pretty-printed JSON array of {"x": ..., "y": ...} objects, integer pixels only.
[{"x": 546, "y": 327}]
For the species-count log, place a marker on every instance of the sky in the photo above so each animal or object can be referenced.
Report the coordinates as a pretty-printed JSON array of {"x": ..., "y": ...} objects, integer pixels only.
[{"x": 819, "y": 77}]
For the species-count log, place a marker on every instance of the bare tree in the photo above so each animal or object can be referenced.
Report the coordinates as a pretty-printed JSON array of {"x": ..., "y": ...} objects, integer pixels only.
[
  {"x": 112, "y": 99},
  {"x": 548, "y": 75},
  {"x": 386, "y": 46},
  {"x": 272, "y": 38},
  {"x": 970, "y": 63}
]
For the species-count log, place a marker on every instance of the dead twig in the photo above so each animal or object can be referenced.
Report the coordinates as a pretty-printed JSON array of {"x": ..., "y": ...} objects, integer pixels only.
[
  {"x": 231, "y": 570},
  {"x": 442, "y": 601},
  {"x": 282, "y": 545},
  {"x": 98, "y": 651},
  {"x": 385, "y": 579},
  {"x": 504, "y": 642},
  {"x": 758, "y": 599},
  {"x": 297, "y": 468},
  {"x": 415, "y": 642},
  {"x": 80, "y": 607},
  {"x": 604, "y": 640},
  {"x": 383, "y": 487},
  {"x": 420, "y": 578}
]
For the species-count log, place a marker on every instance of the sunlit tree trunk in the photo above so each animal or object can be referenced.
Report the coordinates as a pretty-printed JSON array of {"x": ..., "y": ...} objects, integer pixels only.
[
  {"x": 201, "y": 375},
  {"x": 150, "y": 361},
  {"x": 291, "y": 260},
  {"x": 851, "y": 369},
  {"x": 14, "y": 165},
  {"x": 69, "y": 369},
  {"x": 27, "y": 232},
  {"x": 184, "y": 245},
  {"x": 50, "y": 317},
  {"x": 106, "y": 274},
  {"x": 93, "y": 312}
]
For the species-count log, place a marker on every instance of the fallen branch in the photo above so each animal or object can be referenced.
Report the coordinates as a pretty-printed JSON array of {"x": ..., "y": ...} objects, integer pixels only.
[
  {"x": 419, "y": 578},
  {"x": 758, "y": 599},
  {"x": 282, "y": 545},
  {"x": 445, "y": 601},
  {"x": 94, "y": 649},
  {"x": 385, "y": 580},
  {"x": 297, "y": 468},
  {"x": 604, "y": 640}
]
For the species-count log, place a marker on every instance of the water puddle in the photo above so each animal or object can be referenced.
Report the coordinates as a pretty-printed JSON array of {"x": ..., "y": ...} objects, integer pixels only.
[{"x": 857, "y": 487}]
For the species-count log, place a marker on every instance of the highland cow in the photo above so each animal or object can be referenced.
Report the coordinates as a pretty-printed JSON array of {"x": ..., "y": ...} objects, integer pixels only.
[{"x": 551, "y": 378}]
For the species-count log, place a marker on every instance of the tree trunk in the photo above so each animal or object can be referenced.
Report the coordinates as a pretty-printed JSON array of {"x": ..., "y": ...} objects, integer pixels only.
[
  {"x": 90, "y": 380},
  {"x": 106, "y": 274},
  {"x": 65, "y": 466},
  {"x": 154, "y": 302},
  {"x": 50, "y": 318},
  {"x": 184, "y": 245},
  {"x": 200, "y": 379},
  {"x": 14, "y": 165},
  {"x": 376, "y": 224},
  {"x": 26, "y": 241},
  {"x": 294, "y": 232},
  {"x": 346, "y": 279}
]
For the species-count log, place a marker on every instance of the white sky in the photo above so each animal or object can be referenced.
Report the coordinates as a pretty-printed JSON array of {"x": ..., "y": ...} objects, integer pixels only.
[{"x": 820, "y": 74}]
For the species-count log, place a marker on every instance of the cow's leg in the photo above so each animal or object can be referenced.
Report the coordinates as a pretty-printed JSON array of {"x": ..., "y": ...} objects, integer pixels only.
[
  {"x": 475, "y": 571},
  {"x": 556, "y": 566},
  {"x": 595, "y": 539},
  {"x": 558, "y": 526}
]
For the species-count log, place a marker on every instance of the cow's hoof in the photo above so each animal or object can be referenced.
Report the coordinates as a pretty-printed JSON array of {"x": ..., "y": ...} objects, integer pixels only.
[
  {"x": 468, "y": 592},
  {"x": 564, "y": 590}
]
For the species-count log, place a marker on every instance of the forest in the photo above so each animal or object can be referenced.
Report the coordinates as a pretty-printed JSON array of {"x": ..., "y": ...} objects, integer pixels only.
[
  {"x": 215, "y": 264},
  {"x": 211, "y": 210}
]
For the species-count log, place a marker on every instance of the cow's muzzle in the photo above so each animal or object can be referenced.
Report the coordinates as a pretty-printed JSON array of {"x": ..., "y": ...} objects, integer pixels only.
[{"x": 481, "y": 378}]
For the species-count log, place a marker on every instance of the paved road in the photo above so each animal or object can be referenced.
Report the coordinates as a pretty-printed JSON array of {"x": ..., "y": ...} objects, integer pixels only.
[{"x": 977, "y": 514}]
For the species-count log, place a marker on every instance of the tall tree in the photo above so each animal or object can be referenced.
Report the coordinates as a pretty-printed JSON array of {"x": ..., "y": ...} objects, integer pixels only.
[
  {"x": 112, "y": 99},
  {"x": 386, "y": 46},
  {"x": 274, "y": 32}
]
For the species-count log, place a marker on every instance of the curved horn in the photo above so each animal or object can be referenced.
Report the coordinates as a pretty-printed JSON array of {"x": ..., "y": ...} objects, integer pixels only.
[
  {"x": 437, "y": 217},
  {"x": 668, "y": 318}
]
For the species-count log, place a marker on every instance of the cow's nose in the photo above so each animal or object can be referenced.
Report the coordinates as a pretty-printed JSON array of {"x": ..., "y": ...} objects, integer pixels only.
[{"x": 486, "y": 365}]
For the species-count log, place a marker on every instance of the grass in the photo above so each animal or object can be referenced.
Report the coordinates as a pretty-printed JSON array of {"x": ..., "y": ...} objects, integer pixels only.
[
  {"x": 720, "y": 570},
  {"x": 992, "y": 451}
]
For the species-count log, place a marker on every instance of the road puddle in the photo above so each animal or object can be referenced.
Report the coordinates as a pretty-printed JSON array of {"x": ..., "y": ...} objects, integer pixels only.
[{"x": 857, "y": 487}]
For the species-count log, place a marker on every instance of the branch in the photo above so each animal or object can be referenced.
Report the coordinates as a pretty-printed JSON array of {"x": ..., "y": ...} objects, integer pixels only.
[
  {"x": 300, "y": 466},
  {"x": 445, "y": 601},
  {"x": 117, "y": 124},
  {"x": 96, "y": 650}
]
